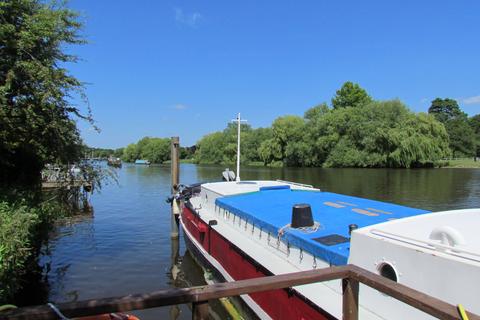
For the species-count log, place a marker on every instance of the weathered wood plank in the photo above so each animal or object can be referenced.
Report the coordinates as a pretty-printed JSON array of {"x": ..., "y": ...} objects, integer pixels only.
[
  {"x": 352, "y": 274},
  {"x": 177, "y": 295}
]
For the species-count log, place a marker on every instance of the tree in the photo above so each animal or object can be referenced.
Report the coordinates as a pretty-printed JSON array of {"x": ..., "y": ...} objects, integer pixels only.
[
  {"x": 461, "y": 134},
  {"x": 251, "y": 142},
  {"x": 350, "y": 95},
  {"x": 210, "y": 149},
  {"x": 316, "y": 112},
  {"x": 380, "y": 134},
  {"x": 155, "y": 150},
  {"x": 445, "y": 109},
  {"x": 475, "y": 125},
  {"x": 287, "y": 129},
  {"x": 36, "y": 125},
  {"x": 462, "y": 137},
  {"x": 130, "y": 153}
]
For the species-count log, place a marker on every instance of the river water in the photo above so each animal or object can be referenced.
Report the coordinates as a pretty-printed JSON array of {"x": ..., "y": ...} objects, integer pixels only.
[{"x": 124, "y": 247}]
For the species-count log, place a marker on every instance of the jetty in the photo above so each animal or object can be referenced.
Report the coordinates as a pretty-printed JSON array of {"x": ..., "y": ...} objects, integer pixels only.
[{"x": 66, "y": 177}]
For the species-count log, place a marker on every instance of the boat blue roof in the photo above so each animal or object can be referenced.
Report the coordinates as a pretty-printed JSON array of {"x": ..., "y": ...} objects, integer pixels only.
[{"x": 271, "y": 209}]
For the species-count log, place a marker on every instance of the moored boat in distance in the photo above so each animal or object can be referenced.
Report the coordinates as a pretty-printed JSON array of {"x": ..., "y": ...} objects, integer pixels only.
[
  {"x": 142, "y": 162},
  {"x": 114, "y": 162},
  {"x": 248, "y": 229}
]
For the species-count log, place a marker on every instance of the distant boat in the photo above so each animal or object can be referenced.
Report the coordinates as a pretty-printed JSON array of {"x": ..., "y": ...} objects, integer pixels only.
[
  {"x": 143, "y": 162},
  {"x": 114, "y": 162}
]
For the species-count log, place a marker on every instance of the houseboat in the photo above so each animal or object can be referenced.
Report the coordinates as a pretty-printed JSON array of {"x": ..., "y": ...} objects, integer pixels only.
[{"x": 247, "y": 229}]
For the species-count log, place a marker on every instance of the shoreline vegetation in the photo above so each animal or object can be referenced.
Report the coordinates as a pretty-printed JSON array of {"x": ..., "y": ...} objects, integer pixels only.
[
  {"x": 38, "y": 121},
  {"x": 355, "y": 131}
]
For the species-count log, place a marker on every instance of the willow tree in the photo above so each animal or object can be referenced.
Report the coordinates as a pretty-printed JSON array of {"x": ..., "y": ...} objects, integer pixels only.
[
  {"x": 380, "y": 134},
  {"x": 36, "y": 90}
]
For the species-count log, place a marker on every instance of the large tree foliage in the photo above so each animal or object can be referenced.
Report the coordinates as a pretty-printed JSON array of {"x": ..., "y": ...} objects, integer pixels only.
[
  {"x": 445, "y": 109},
  {"x": 221, "y": 146},
  {"x": 350, "y": 95},
  {"x": 36, "y": 126},
  {"x": 379, "y": 134},
  {"x": 358, "y": 132},
  {"x": 461, "y": 135},
  {"x": 155, "y": 150},
  {"x": 475, "y": 125}
]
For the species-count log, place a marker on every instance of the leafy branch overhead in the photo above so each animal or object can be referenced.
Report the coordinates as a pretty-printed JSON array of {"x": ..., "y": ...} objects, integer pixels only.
[{"x": 36, "y": 90}]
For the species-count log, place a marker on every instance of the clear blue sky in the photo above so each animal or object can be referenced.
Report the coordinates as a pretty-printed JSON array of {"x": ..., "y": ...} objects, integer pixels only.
[{"x": 164, "y": 68}]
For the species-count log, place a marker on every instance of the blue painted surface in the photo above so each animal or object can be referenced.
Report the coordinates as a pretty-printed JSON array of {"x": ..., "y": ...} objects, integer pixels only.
[
  {"x": 271, "y": 209},
  {"x": 142, "y": 162}
]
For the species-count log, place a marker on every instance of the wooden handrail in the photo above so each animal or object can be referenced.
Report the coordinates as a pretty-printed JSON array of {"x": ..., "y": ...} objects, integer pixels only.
[{"x": 351, "y": 276}]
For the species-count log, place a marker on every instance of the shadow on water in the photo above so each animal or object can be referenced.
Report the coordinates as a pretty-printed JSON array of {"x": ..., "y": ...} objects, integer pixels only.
[{"x": 125, "y": 247}]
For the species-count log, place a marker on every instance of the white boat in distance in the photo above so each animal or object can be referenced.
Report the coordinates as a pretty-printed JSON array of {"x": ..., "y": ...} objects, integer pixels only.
[{"x": 247, "y": 229}]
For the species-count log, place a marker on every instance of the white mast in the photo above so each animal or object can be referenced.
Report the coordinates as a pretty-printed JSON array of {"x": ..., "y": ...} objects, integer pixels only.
[{"x": 238, "y": 121}]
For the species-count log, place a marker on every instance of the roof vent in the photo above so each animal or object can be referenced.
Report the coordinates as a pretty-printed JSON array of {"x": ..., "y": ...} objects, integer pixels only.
[{"x": 302, "y": 216}]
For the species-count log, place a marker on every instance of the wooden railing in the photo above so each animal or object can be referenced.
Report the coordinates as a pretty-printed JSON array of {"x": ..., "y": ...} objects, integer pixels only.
[{"x": 351, "y": 277}]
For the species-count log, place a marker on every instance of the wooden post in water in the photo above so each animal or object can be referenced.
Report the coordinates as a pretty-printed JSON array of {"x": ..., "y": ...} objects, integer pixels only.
[{"x": 175, "y": 170}]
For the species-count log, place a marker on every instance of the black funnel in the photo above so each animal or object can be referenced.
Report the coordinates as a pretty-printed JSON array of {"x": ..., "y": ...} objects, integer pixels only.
[{"x": 301, "y": 216}]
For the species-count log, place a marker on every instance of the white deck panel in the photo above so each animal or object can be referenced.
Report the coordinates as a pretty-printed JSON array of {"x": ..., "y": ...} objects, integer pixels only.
[
  {"x": 233, "y": 187},
  {"x": 414, "y": 232}
]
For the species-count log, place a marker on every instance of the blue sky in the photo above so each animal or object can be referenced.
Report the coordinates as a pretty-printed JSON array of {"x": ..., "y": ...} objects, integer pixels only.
[{"x": 164, "y": 68}]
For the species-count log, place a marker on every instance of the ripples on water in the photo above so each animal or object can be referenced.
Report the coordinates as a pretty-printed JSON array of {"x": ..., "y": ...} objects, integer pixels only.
[{"x": 124, "y": 246}]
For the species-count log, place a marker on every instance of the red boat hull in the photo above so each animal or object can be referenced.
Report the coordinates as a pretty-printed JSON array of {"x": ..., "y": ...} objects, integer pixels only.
[{"x": 278, "y": 304}]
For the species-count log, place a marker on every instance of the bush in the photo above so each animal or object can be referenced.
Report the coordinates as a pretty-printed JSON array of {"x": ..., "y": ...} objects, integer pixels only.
[{"x": 21, "y": 228}]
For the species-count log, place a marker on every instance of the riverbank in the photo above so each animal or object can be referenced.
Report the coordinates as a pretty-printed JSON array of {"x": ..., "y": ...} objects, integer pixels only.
[
  {"x": 463, "y": 163},
  {"x": 25, "y": 222}
]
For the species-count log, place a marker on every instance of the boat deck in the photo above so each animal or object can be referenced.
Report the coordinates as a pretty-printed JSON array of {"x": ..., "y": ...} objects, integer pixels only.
[{"x": 270, "y": 208}]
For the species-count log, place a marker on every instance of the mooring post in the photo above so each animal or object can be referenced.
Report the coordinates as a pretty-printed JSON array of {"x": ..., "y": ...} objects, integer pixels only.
[{"x": 175, "y": 170}]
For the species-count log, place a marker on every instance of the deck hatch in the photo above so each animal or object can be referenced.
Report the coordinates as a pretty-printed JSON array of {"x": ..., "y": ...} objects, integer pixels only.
[{"x": 331, "y": 239}]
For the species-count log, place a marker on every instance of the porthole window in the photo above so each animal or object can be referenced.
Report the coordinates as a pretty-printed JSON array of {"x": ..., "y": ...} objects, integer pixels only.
[{"x": 387, "y": 271}]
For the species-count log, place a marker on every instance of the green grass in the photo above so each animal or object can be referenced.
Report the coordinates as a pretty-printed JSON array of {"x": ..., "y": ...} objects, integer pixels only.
[{"x": 463, "y": 163}]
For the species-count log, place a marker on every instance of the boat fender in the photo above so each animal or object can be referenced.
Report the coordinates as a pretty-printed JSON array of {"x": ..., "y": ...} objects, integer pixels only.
[{"x": 447, "y": 236}]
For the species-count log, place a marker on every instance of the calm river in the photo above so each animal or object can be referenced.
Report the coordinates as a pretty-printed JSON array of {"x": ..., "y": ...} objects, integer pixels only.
[{"x": 124, "y": 246}]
